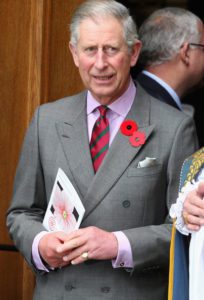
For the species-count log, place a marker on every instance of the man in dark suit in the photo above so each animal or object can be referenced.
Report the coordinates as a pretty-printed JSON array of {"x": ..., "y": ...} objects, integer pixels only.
[
  {"x": 121, "y": 250},
  {"x": 172, "y": 57}
]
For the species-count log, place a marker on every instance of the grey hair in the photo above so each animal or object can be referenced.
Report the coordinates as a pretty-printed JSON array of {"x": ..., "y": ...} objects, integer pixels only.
[
  {"x": 104, "y": 8},
  {"x": 164, "y": 32}
]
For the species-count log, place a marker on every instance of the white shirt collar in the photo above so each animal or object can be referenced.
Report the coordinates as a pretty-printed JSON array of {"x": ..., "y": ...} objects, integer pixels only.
[{"x": 165, "y": 86}]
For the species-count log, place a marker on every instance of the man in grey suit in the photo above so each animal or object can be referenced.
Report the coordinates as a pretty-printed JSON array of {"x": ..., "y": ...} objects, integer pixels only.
[{"x": 121, "y": 250}]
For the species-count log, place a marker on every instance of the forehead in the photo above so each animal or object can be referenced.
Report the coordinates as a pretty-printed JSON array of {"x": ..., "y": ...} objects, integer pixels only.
[{"x": 102, "y": 30}]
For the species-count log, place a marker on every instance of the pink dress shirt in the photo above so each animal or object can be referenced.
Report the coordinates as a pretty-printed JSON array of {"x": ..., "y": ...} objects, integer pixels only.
[{"x": 117, "y": 112}]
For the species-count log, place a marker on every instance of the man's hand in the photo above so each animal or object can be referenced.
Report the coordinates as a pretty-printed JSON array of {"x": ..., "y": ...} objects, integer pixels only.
[
  {"x": 48, "y": 246},
  {"x": 88, "y": 243},
  {"x": 193, "y": 208}
]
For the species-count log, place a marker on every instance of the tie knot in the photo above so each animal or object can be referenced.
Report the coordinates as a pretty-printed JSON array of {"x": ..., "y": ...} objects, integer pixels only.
[{"x": 103, "y": 110}]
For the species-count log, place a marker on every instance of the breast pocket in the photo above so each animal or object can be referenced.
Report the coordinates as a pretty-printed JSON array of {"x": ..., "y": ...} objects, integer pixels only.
[{"x": 146, "y": 171}]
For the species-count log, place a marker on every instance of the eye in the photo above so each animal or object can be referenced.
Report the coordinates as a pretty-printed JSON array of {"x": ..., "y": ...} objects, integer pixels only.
[
  {"x": 109, "y": 50},
  {"x": 90, "y": 50}
]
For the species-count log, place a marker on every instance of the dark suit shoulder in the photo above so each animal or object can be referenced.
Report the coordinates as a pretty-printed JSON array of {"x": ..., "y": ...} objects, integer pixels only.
[
  {"x": 160, "y": 108},
  {"x": 155, "y": 89}
]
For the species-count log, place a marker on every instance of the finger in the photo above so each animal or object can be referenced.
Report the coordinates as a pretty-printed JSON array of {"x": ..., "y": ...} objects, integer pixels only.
[
  {"x": 76, "y": 233},
  {"x": 197, "y": 200},
  {"x": 82, "y": 258},
  {"x": 193, "y": 204},
  {"x": 194, "y": 221},
  {"x": 77, "y": 261},
  {"x": 60, "y": 235},
  {"x": 193, "y": 227},
  {"x": 71, "y": 244},
  {"x": 59, "y": 264},
  {"x": 81, "y": 253},
  {"x": 192, "y": 199},
  {"x": 195, "y": 211}
]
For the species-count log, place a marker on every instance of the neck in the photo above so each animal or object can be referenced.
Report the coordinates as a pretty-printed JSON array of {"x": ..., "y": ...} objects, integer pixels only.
[{"x": 167, "y": 73}]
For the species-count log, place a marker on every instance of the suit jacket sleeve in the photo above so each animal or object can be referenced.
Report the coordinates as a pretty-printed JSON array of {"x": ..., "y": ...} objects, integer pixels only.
[{"x": 27, "y": 209}]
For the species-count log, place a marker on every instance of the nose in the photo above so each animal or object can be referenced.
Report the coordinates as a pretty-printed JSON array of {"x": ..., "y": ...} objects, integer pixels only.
[{"x": 100, "y": 60}]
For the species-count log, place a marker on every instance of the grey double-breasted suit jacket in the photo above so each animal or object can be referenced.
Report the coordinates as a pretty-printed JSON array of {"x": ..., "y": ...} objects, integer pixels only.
[{"x": 120, "y": 196}]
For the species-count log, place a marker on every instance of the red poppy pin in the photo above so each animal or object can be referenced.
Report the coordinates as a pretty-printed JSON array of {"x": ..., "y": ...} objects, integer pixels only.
[
  {"x": 130, "y": 128},
  {"x": 137, "y": 139}
]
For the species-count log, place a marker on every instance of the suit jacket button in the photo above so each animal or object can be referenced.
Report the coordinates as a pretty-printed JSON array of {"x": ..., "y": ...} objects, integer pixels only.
[
  {"x": 105, "y": 289},
  {"x": 126, "y": 203},
  {"x": 69, "y": 287}
]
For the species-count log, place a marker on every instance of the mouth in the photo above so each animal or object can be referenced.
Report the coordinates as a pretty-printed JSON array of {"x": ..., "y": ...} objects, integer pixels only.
[{"x": 103, "y": 78}]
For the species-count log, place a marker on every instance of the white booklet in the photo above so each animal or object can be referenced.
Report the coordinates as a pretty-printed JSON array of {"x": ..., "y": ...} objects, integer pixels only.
[{"x": 65, "y": 210}]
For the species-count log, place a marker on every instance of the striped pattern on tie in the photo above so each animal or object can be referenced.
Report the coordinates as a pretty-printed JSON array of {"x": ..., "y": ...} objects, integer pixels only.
[{"x": 100, "y": 138}]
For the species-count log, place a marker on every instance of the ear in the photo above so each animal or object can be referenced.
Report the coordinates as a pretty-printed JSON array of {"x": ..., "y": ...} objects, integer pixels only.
[
  {"x": 185, "y": 54},
  {"x": 135, "y": 52},
  {"x": 73, "y": 51}
]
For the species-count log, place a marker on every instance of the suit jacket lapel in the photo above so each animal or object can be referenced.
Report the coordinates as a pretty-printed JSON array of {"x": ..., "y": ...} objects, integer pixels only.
[
  {"x": 120, "y": 154},
  {"x": 73, "y": 135}
]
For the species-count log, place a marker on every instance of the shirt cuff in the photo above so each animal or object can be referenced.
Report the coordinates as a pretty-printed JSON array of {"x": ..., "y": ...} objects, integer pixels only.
[
  {"x": 176, "y": 209},
  {"x": 35, "y": 253},
  {"x": 124, "y": 257}
]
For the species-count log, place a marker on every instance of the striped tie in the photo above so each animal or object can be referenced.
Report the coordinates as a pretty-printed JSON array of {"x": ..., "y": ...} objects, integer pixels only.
[{"x": 100, "y": 138}]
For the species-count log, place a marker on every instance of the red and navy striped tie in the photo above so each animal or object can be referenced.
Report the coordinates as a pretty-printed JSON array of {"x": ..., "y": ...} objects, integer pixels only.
[{"x": 100, "y": 138}]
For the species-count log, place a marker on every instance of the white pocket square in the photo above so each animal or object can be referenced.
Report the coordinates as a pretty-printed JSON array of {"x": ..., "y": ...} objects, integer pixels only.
[{"x": 147, "y": 162}]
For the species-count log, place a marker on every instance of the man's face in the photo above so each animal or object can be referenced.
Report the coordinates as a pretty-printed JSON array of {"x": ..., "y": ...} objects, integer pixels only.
[{"x": 103, "y": 58}]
